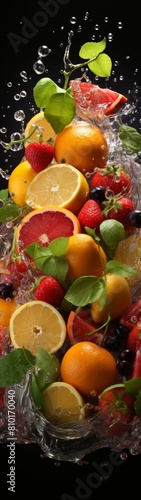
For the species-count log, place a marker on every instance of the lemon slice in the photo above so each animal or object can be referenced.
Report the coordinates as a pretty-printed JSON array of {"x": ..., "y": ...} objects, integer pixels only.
[
  {"x": 63, "y": 403},
  {"x": 37, "y": 324},
  {"x": 59, "y": 184},
  {"x": 44, "y": 128}
]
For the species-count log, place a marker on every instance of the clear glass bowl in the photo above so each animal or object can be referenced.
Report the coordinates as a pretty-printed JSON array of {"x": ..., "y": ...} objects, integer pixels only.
[{"x": 63, "y": 443}]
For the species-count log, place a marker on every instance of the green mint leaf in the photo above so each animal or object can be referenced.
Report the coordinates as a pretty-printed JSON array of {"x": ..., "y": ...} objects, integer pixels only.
[
  {"x": 47, "y": 369},
  {"x": 36, "y": 394},
  {"x": 53, "y": 266},
  {"x": 4, "y": 195},
  {"x": 43, "y": 90},
  {"x": 35, "y": 250},
  {"x": 130, "y": 138},
  {"x": 85, "y": 290},
  {"x": 14, "y": 366},
  {"x": 90, "y": 50},
  {"x": 115, "y": 267},
  {"x": 60, "y": 110},
  {"x": 102, "y": 66},
  {"x": 112, "y": 232},
  {"x": 58, "y": 246}
]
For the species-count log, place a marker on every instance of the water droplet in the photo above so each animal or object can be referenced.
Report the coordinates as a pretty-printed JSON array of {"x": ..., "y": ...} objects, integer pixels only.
[
  {"x": 16, "y": 136},
  {"x": 106, "y": 19},
  {"x": 39, "y": 67},
  {"x": 79, "y": 29},
  {"x": 23, "y": 74},
  {"x": 120, "y": 25},
  {"x": 23, "y": 93},
  {"x": 121, "y": 77},
  {"x": 86, "y": 16},
  {"x": 17, "y": 97},
  {"x": 43, "y": 51},
  {"x": 116, "y": 63},
  {"x": 9, "y": 84},
  {"x": 93, "y": 38},
  {"x": 3, "y": 130},
  {"x": 96, "y": 27},
  {"x": 19, "y": 115},
  {"x": 123, "y": 455},
  {"x": 73, "y": 20},
  {"x": 110, "y": 37}
]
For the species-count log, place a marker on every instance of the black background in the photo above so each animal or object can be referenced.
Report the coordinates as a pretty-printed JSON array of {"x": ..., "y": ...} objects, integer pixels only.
[{"x": 35, "y": 474}]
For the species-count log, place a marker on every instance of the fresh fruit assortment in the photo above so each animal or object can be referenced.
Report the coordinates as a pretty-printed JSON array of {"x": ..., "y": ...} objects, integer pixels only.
[{"x": 69, "y": 313}]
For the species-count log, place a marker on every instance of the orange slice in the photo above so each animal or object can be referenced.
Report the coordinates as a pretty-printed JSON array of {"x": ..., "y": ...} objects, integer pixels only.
[
  {"x": 37, "y": 324},
  {"x": 63, "y": 403},
  {"x": 45, "y": 225},
  {"x": 59, "y": 184}
]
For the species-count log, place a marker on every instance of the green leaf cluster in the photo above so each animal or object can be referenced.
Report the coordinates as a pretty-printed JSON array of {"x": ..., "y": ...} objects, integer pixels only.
[
  {"x": 131, "y": 139},
  {"x": 43, "y": 369}
]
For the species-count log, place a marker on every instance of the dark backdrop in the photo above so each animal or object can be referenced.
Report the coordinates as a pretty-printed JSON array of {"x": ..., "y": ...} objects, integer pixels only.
[{"x": 24, "y": 28}]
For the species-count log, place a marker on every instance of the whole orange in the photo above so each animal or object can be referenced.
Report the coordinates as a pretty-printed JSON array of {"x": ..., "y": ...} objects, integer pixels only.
[
  {"x": 84, "y": 256},
  {"x": 117, "y": 300},
  {"x": 82, "y": 145},
  {"x": 88, "y": 367}
]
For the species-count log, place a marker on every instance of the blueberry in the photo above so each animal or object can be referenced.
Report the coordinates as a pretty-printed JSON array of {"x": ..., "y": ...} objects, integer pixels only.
[
  {"x": 135, "y": 218},
  {"x": 124, "y": 367},
  {"x": 122, "y": 331},
  {"x": 6, "y": 290},
  {"x": 112, "y": 343},
  {"x": 97, "y": 194}
]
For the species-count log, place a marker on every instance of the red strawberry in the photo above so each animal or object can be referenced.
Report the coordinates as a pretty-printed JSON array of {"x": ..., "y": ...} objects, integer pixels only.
[
  {"x": 49, "y": 290},
  {"x": 119, "y": 209},
  {"x": 137, "y": 363},
  {"x": 39, "y": 155},
  {"x": 113, "y": 178},
  {"x": 134, "y": 338},
  {"x": 90, "y": 215},
  {"x": 117, "y": 406}
]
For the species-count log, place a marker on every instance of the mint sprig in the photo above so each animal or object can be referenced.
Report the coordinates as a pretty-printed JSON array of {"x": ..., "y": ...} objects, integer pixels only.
[{"x": 50, "y": 260}]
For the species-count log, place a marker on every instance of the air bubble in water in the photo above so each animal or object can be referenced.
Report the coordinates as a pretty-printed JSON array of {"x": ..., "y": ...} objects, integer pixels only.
[
  {"x": 19, "y": 115},
  {"x": 9, "y": 84},
  {"x": 43, "y": 51},
  {"x": 73, "y": 20},
  {"x": 39, "y": 67}
]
